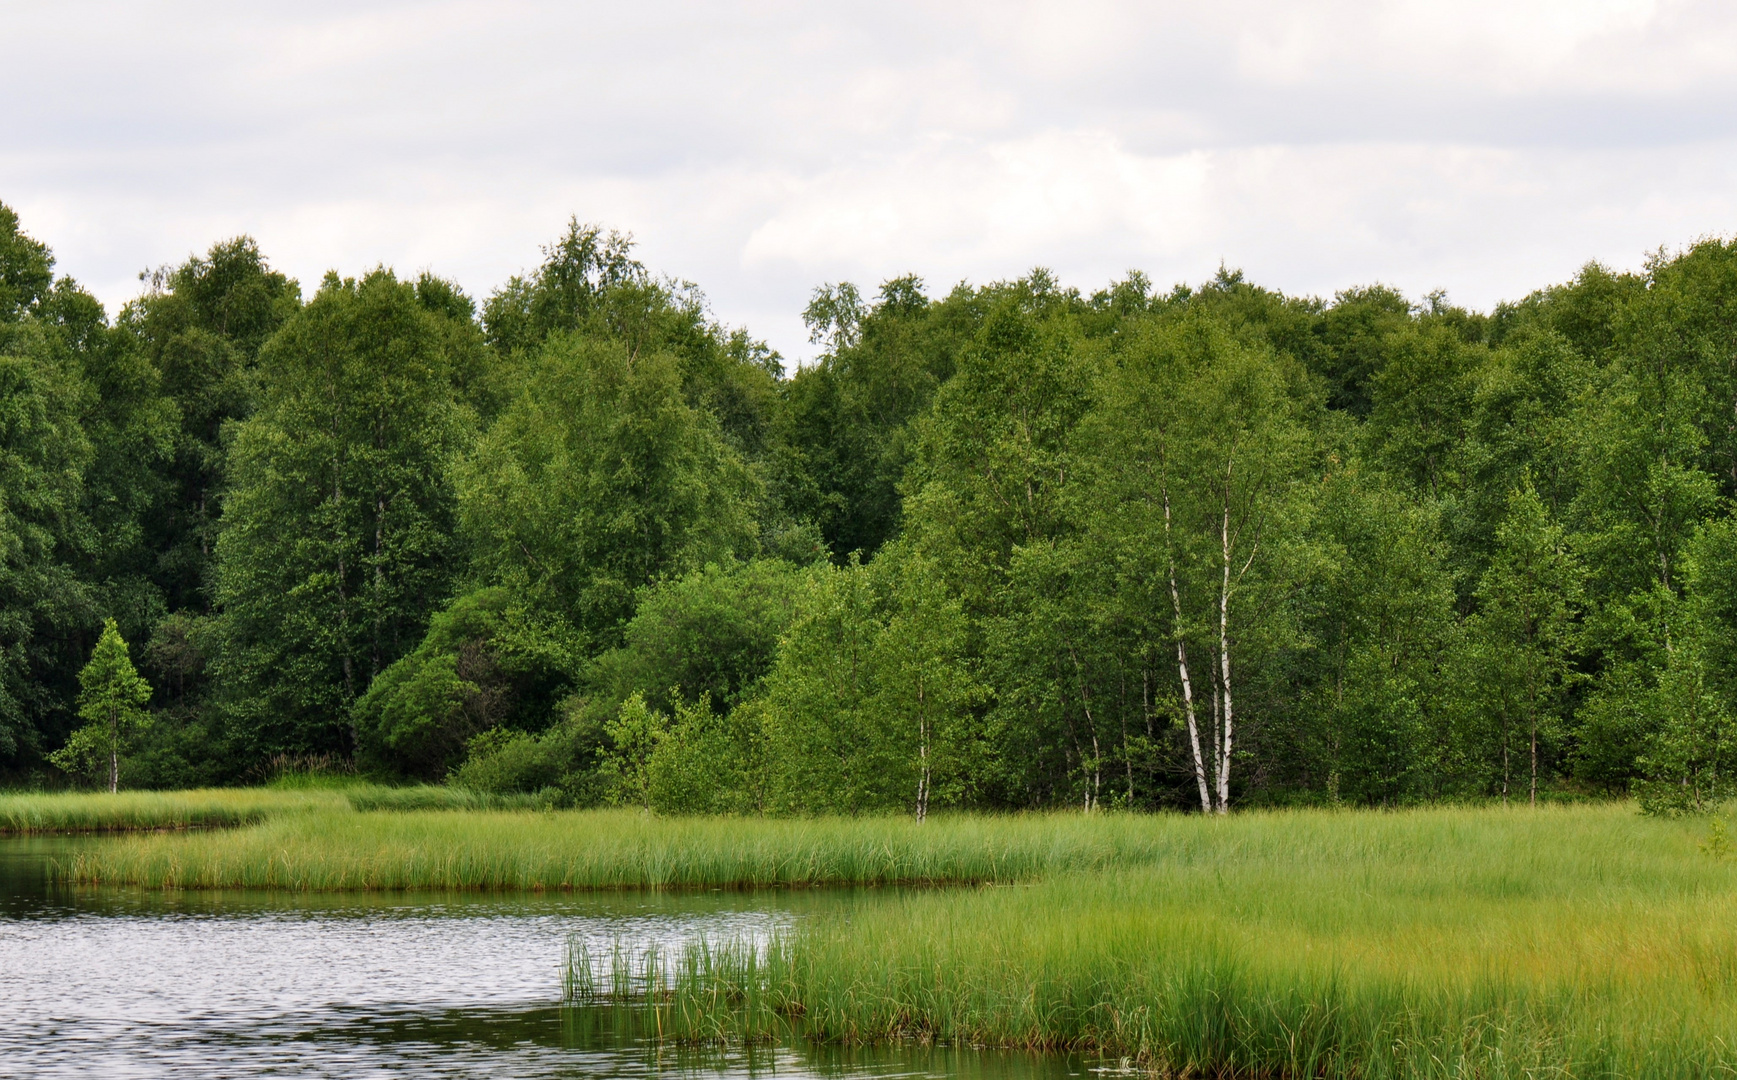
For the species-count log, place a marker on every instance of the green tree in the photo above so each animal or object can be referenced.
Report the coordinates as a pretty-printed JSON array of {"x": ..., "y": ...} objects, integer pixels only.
[
  {"x": 197, "y": 332},
  {"x": 870, "y": 705},
  {"x": 598, "y": 480},
  {"x": 1377, "y": 717},
  {"x": 337, "y": 544},
  {"x": 705, "y": 762},
  {"x": 46, "y": 608},
  {"x": 1210, "y": 443},
  {"x": 710, "y": 634},
  {"x": 1524, "y": 632},
  {"x": 26, "y": 269},
  {"x": 485, "y": 662},
  {"x": 112, "y": 698},
  {"x": 590, "y": 286},
  {"x": 1688, "y": 761},
  {"x": 846, "y": 433}
]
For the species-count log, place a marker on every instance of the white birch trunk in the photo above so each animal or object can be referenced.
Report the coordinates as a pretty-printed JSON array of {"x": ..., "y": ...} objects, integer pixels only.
[
  {"x": 1182, "y": 669},
  {"x": 1224, "y": 659}
]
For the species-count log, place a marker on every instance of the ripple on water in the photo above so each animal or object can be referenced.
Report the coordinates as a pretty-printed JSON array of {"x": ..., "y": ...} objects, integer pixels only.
[{"x": 123, "y": 983}]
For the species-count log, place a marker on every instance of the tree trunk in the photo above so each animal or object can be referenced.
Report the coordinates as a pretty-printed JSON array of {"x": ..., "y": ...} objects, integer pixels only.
[
  {"x": 1182, "y": 668},
  {"x": 923, "y": 755},
  {"x": 1534, "y": 759},
  {"x": 379, "y": 578},
  {"x": 114, "y": 752},
  {"x": 1506, "y": 771},
  {"x": 1224, "y": 663}
]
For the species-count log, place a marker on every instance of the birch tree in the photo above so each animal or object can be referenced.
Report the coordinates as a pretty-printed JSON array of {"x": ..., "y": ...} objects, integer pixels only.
[{"x": 1205, "y": 442}]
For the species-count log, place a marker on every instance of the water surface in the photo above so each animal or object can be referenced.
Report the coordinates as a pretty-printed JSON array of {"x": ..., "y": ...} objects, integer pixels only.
[{"x": 133, "y": 983}]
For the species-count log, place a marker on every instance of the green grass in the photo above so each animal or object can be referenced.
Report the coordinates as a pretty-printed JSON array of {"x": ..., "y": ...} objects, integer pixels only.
[
  {"x": 1586, "y": 942},
  {"x": 229, "y": 807},
  {"x": 608, "y": 849},
  {"x": 126, "y": 810},
  {"x": 1580, "y": 941}
]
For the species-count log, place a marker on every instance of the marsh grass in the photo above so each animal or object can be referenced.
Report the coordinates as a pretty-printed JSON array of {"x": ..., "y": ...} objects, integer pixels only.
[
  {"x": 130, "y": 810},
  {"x": 429, "y": 797},
  {"x": 1585, "y": 942},
  {"x": 614, "y": 849},
  {"x": 291, "y": 794}
]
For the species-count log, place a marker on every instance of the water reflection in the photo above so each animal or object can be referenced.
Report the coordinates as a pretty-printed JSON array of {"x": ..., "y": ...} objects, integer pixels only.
[{"x": 130, "y": 983}]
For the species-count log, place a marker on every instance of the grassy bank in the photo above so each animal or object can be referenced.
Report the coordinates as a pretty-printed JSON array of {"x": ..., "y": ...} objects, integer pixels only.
[
  {"x": 103, "y": 812},
  {"x": 608, "y": 849},
  {"x": 1576, "y": 942},
  {"x": 227, "y": 807},
  {"x": 1447, "y": 943}
]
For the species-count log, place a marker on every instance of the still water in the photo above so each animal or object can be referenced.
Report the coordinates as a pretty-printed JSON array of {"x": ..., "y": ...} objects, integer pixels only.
[{"x": 127, "y": 983}]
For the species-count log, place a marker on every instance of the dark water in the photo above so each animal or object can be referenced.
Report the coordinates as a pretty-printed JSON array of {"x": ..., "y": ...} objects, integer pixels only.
[{"x": 127, "y": 983}]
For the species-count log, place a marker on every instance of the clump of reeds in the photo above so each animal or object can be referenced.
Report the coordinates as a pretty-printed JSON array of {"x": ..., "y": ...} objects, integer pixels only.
[
  {"x": 430, "y": 797},
  {"x": 307, "y": 771},
  {"x": 704, "y": 993}
]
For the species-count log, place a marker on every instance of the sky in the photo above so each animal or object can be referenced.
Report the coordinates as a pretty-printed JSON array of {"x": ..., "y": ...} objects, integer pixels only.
[{"x": 1482, "y": 147}]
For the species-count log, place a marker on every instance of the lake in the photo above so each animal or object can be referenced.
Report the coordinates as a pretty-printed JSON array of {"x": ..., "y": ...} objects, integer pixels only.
[{"x": 129, "y": 983}]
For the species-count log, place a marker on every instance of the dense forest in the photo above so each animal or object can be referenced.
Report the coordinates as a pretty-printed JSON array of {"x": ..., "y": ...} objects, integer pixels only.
[{"x": 1011, "y": 546}]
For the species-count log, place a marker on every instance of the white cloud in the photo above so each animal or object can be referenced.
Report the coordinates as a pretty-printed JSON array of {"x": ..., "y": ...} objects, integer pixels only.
[{"x": 1483, "y": 146}]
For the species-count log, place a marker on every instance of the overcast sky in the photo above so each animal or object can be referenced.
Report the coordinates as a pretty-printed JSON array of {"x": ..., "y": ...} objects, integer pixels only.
[{"x": 1485, "y": 147}]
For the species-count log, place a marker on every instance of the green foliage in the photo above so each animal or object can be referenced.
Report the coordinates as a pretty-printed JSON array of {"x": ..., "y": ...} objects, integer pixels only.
[
  {"x": 1208, "y": 546},
  {"x": 484, "y": 662},
  {"x": 194, "y": 339},
  {"x": 338, "y": 538},
  {"x": 599, "y": 479},
  {"x": 1381, "y": 707},
  {"x": 711, "y": 633},
  {"x": 566, "y": 759},
  {"x": 870, "y": 705},
  {"x": 1693, "y": 747},
  {"x": 111, "y": 700},
  {"x": 43, "y": 531},
  {"x": 847, "y": 419},
  {"x": 1522, "y": 636},
  {"x": 26, "y": 269}
]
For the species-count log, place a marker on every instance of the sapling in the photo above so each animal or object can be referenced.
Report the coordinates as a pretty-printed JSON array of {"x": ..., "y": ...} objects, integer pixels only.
[{"x": 111, "y": 698}]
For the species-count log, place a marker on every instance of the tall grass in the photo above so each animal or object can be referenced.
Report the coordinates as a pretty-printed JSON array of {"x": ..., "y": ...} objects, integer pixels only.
[
  {"x": 100, "y": 812},
  {"x": 290, "y": 793},
  {"x": 609, "y": 849},
  {"x": 1444, "y": 943}
]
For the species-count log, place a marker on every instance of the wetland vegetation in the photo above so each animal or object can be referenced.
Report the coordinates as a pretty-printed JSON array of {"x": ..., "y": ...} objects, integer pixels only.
[
  {"x": 1584, "y": 940},
  {"x": 1439, "y": 943}
]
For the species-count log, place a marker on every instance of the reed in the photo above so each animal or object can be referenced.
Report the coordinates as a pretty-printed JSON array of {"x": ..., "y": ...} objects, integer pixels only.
[
  {"x": 613, "y": 849},
  {"x": 431, "y": 797},
  {"x": 1444, "y": 943},
  {"x": 130, "y": 810}
]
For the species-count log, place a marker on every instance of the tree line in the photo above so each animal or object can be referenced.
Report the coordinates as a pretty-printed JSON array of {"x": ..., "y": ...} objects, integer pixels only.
[{"x": 1012, "y": 546}]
